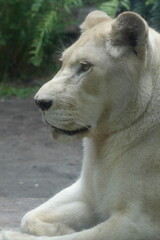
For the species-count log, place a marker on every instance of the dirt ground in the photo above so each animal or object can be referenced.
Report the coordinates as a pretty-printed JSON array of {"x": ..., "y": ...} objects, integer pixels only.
[{"x": 32, "y": 164}]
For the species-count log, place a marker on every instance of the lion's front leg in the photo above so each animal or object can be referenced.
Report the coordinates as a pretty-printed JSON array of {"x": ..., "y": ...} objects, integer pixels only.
[
  {"x": 13, "y": 235},
  {"x": 63, "y": 214},
  {"x": 118, "y": 227}
]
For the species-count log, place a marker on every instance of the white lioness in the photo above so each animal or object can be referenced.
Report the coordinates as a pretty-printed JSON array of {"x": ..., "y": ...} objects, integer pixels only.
[{"x": 107, "y": 91}]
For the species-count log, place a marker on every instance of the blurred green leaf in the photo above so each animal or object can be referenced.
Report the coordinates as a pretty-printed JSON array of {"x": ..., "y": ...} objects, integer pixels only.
[
  {"x": 22, "y": 92},
  {"x": 110, "y": 7}
]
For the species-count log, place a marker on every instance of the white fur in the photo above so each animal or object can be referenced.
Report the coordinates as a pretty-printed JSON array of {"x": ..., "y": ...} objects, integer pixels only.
[{"x": 117, "y": 196}]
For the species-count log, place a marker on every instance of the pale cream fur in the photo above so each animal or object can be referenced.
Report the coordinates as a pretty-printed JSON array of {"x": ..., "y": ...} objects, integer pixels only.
[{"x": 117, "y": 196}]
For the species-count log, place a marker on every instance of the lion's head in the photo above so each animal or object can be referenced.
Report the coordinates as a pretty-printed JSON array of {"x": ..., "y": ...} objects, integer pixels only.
[{"x": 97, "y": 90}]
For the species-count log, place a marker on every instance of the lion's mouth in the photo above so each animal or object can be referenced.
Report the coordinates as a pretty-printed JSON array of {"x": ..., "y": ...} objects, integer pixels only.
[{"x": 71, "y": 132}]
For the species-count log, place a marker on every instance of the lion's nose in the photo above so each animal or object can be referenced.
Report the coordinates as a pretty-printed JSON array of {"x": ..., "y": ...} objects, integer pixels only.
[{"x": 43, "y": 104}]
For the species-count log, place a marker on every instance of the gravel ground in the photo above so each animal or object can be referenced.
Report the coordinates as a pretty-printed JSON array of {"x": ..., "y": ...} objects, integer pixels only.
[{"x": 32, "y": 164}]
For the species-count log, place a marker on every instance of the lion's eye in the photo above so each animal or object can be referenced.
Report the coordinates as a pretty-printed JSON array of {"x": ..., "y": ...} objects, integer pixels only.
[{"x": 84, "y": 66}]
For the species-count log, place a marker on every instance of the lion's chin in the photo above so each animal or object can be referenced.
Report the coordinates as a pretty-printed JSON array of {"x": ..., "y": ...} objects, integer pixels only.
[{"x": 66, "y": 136}]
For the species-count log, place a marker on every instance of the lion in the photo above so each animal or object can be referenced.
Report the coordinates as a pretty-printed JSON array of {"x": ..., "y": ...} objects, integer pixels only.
[{"x": 108, "y": 93}]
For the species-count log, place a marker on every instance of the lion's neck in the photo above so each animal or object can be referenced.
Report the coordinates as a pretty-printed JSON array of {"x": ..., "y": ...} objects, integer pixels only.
[
  {"x": 108, "y": 148},
  {"x": 101, "y": 150}
]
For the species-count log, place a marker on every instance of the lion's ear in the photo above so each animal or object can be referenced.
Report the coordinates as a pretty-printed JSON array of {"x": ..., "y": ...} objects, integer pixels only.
[
  {"x": 130, "y": 29},
  {"x": 93, "y": 19}
]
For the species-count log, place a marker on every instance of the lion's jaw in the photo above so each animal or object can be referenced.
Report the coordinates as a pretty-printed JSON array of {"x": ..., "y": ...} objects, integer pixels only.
[{"x": 96, "y": 90}]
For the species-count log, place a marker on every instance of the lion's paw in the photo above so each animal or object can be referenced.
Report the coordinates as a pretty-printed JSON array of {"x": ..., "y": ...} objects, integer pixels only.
[{"x": 12, "y": 235}]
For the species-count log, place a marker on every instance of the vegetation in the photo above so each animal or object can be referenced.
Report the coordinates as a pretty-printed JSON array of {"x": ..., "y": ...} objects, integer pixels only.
[
  {"x": 113, "y": 7},
  {"x": 7, "y": 90},
  {"x": 32, "y": 31},
  {"x": 149, "y": 9}
]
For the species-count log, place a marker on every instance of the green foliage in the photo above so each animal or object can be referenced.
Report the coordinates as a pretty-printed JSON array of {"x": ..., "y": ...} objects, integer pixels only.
[
  {"x": 113, "y": 7},
  {"x": 67, "y": 4},
  {"x": 155, "y": 15},
  {"x": 144, "y": 7},
  {"x": 6, "y": 90},
  {"x": 46, "y": 26},
  {"x": 149, "y": 9},
  {"x": 30, "y": 31}
]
